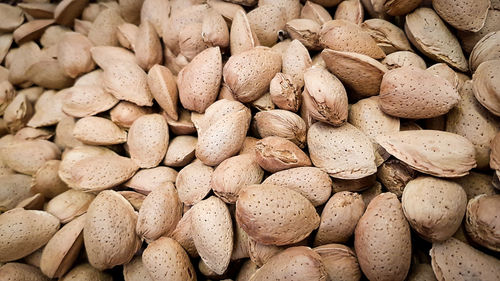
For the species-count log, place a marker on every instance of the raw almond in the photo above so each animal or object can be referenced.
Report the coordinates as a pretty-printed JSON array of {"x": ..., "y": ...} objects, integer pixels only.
[
  {"x": 241, "y": 38},
  {"x": 63, "y": 248},
  {"x": 7, "y": 94},
  {"x": 429, "y": 34},
  {"x": 21, "y": 271},
  {"x": 214, "y": 30},
  {"x": 315, "y": 12},
  {"x": 180, "y": 151},
  {"x": 400, "y": 7},
  {"x": 432, "y": 152},
  {"x": 344, "y": 152},
  {"x": 388, "y": 36},
  {"x": 191, "y": 41},
  {"x": 248, "y": 74},
  {"x": 160, "y": 213},
  {"x": 64, "y": 133},
  {"x": 147, "y": 180},
  {"x": 444, "y": 71},
  {"x": 341, "y": 35},
  {"x": 199, "y": 81},
  {"x": 24, "y": 231},
  {"x": 98, "y": 131},
  {"x": 107, "y": 56},
  {"x": 46, "y": 180},
  {"x": 88, "y": 100},
  {"x": 281, "y": 123},
  {"x": 454, "y": 259},
  {"x": 339, "y": 218},
  {"x": 67, "y": 10},
  {"x": 147, "y": 47},
  {"x": 359, "y": 72},
  {"x": 340, "y": 262},
  {"x": 103, "y": 29},
  {"x": 13, "y": 189},
  {"x": 193, "y": 182},
  {"x": 469, "y": 15},
  {"x": 69, "y": 205},
  {"x": 127, "y": 34},
  {"x": 183, "y": 125},
  {"x": 18, "y": 60},
  {"x": 12, "y": 17},
  {"x": 213, "y": 233},
  {"x": 266, "y": 21},
  {"x": 481, "y": 223},
  {"x": 264, "y": 103},
  {"x": 166, "y": 260},
  {"x": 306, "y": 31},
  {"x": 285, "y": 92},
  {"x": 48, "y": 109},
  {"x": 73, "y": 54},
  {"x": 51, "y": 37},
  {"x": 109, "y": 231},
  {"x": 155, "y": 12},
  {"x": 485, "y": 86},
  {"x": 86, "y": 272},
  {"x": 403, "y": 58},
  {"x": 295, "y": 263},
  {"x": 48, "y": 73},
  {"x": 409, "y": 92},
  {"x": 495, "y": 153},
  {"x": 275, "y": 154},
  {"x": 382, "y": 240},
  {"x": 183, "y": 234},
  {"x": 351, "y": 10},
  {"x": 134, "y": 198},
  {"x": 27, "y": 156},
  {"x": 226, "y": 9},
  {"x": 262, "y": 213},
  {"x": 233, "y": 174},
  {"x": 18, "y": 113},
  {"x": 260, "y": 253},
  {"x": 296, "y": 61},
  {"x": 469, "y": 39},
  {"x": 434, "y": 207},
  {"x": 475, "y": 184},
  {"x": 135, "y": 270},
  {"x": 31, "y": 30},
  {"x": 163, "y": 87},
  {"x": 291, "y": 7},
  {"x": 125, "y": 113},
  {"x": 148, "y": 140}
]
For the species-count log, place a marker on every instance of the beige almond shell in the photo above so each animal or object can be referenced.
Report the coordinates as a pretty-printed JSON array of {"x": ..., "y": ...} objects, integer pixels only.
[
  {"x": 453, "y": 259},
  {"x": 125, "y": 113},
  {"x": 434, "y": 207},
  {"x": 87, "y": 100},
  {"x": 382, "y": 240},
  {"x": 485, "y": 85},
  {"x": 107, "y": 56},
  {"x": 98, "y": 131},
  {"x": 315, "y": 12},
  {"x": 359, "y": 72},
  {"x": 127, "y": 34},
  {"x": 468, "y": 115},
  {"x": 68, "y": 10},
  {"x": 228, "y": 10},
  {"x": 135, "y": 270},
  {"x": 165, "y": 259},
  {"x": 46, "y": 180},
  {"x": 27, "y": 156},
  {"x": 281, "y": 123},
  {"x": 266, "y": 21},
  {"x": 343, "y": 152},
  {"x": 183, "y": 125},
  {"x": 180, "y": 151},
  {"x": 413, "y": 93},
  {"x": 444, "y": 71},
  {"x": 147, "y": 46},
  {"x": 86, "y": 272},
  {"x": 394, "y": 175},
  {"x": 31, "y": 30},
  {"x": 18, "y": 60},
  {"x": 296, "y": 61},
  {"x": 21, "y": 271},
  {"x": 285, "y": 92},
  {"x": 146, "y": 180},
  {"x": 325, "y": 97},
  {"x": 109, "y": 231},
  {"x": 52, "y": 36},
  {"x": 467, "y": 15},
  {"x": 69, "y": 205},
  {"x": 13, "y": 17},
  {"x": 428, "y": 33},
  {"x": 340, "y": 262},
  {"x": 276, "y": 154},
  {"x": 134, "y": 198},
  {"x": 102, "y": 32},
  {"x": 475, "y": 184},
  {"x": 63, "y": 249},
  {"x": 193, "y": 182},
  {"x": 486, "y": 49},
  {"x": 310, "y": 182},
  {"x": 341, "y": 35},
  {"x": 233, "y": 174},
  {"x": 199, "y": 81},
  {"x": 304, "y": 263},
  {"x": 7, "y": 94},
  {"x": 163, "y": 87},
  {"x": 495, "y": 153},
  {"x": 482, "y": 223},
  {"x": 154, "y": 11},
  {"x": 18, "y": 113},
  {"x": 148, "y": 140},
  {"x": 339, "y": 218},
  {"x": 260, "y": 253},
  {"x": 248, "y": 74},
  {"x": 214, "y": 30},
  {"x": 48, "y": 73},
  {"x": 306, "y": 31},
  {"x": 264, "y": 103},
  {"x": 403, "y": 58},
  {"x": 351, "y": 10},
  {"x": 248, "y": 268},
  {"x": 73, "y": 54},
  {"x": 183, "y": 234},
  {"x": 48, "y": 109},
  {"x": 241, "y": 37},
  {"x": 240, "y": 244},
  {"x": 13, "y": 189},
  {"x": 24, "y": 231},
  {"x": 469, "y": 39},
  {"x": 64, "y": 133},
  {"x": 271, "y": 222},
  {"x": 388, "y": 36}
]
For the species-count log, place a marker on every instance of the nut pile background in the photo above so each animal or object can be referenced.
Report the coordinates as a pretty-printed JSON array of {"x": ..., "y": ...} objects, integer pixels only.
[{"x": 250, "y": 140}]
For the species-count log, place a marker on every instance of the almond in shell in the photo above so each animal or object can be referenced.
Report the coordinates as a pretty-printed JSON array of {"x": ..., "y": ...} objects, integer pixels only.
[
  {"x": 285, "y": 92},
  {"x": 389, "y": 37},
  {"x": 281, "y": 123},
  {"x": 403, "y": 58},
  {"x": 135, "y": 270},
  {"x": 340, "y": 262},
  {"x": 27, "y": 156},
  {"x": 85, "y": 271},
  {"x": 98, "y": 131},
  {"x": 242, "y": 37},
  {"x": 266, "y": 21},
  {"x": 103, "y": 29},
  {"x": 163, "y": 87},
  {"x": 21, "y": 271},
  {"x": 146, "y": 180},
  {"x": 193, "y": 182},
  {"x": 73, "y": 54},
  {"x": 69, "y": 205},
  {"x": 481, "y": 222},
  {"x": 485, "y": 85},
  {"x": 306, "y": 31},
  {"x": 315, "y": 12},
  {"x": 147, "y": 47},
  {"x": 87, "y": 100},
  {"x": 125, "y": 113},
  {"x": 46, "y": 180},
  {"x": 276, "y": 153},
  {"x": 296, "y": 61},
  {"x": 13, "y": 189},
  {"x": 148, "y": 140},
  {"x": 180, "y": 151},
  {"x": 350, "y": 10},
  {"x": 472, "y": 13}
]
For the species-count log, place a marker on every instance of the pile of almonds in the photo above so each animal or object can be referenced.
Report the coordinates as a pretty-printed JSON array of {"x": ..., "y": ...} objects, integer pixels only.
[{"x": 250, "y": 140}]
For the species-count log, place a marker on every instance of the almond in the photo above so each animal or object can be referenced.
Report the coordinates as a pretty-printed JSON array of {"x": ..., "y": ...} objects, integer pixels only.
[
  {"x": 136, "y": 270},
  {"x": 275, "y": 154},
  {"x": 166, "y": 260},
  {"x": 48, "y": 109},
  {"x": 48, "y": 73},
  {"x": 180, "y": 151},
  {"x": 384, "y": 253},
  {"x": 296, "y": 61},
  {"x": 403, "y": 58},
  {"x": 98, "y": 131},
  {"x": 109, "y": 231},
  {"x": 21, "y": 271},
  {"x": 183, "y": 125},
  {"x": 388, "y": 36},
  {"x": 315, "y": 12},
  {"x": 472, "y": 13},
  {"x": 409, "y": 92},
  {"x": 434, "y": 207},
  {"x": 260, "y": 253},
  {"x": 226, "y": 9},
  {"x": 88, "y": 100},
  {"x": 125, "y": 113},
  {"x": 291, "y": 7},
  {"x": 296, "y": 263},
  {"x": 281, "y": 123},
  {"x": 400, "y": 7},
  {"x": 18, "y": 60},
  {"x": 68, "y": 10},
  {"x": 31, "y": 30},
  {"x": 46, "y": 180},
  {"x": 213, "y": 233},
  {"x": 485, "y": 86},
  {"x": 248, "y": 74},
  {"x": 475, "y": 184},
  {"x": 241, "y": 38},
  {"x": 260, "y": 212},
  {"x": 344, "y": 152},
  {"x": 64, "y": 133},
  {"x": 454, "y": 259},
  {"x": 432, "y": 152},
  {"x": 193, "y": 182},
  {"x": 160, "y": 213},
  {"x": 107, "y": 56},
  {"x": 214, "y": 30},
  {"x": 430, "y": 35},
  {"x": 233, "y": 174},
  {"x": 183, "y": 234},
  {"x": 163, "y": 87},
  {"x": 325, "y": 97},
  {"x": 264, "y": 103},
  {"x": 69, "y": 204},
  {"x": 341, "y": 35},
  {"x": 199, "y": 81},
  {"x": 148, "y": 140},
  {"x": 339, "y": 218},
  {"x": 147, "y": 48},
  {"x": 285, "y": 92},
  {"x": 134, "y": 198},
  {"x": 495, "y": 153},
  {"x": 469, "y": 39},
  {"x": 306, "y": 31},
  {"x": 7, "y": 94},
  {"x": 52, "y": 36},
  {"x": 340, "y": 262},
  {"x": 266, "y": 21},
  {"x": 73, "y": 54},
  {"x": 103, "y": 29},
  {"x": 13, "y": 189},
  {"x": 24, "y": 231},
  {"x": 351, "y": 10},
  {"x": 12, "y": 17},
  {"x": 86, "y": 272},
  {"x": 444, "y": 71},
  {"x": 63, "y": 248},
  {"x": 468, "y": 115},
  {"x": 394, "y": 175},
  {"x": 147, "y": 180},
  {"x": 481, "y": 223},
  {"x": 18, "y": 113},
  {"x": 155, "y": 11},
  {"x": 27, "y": 156},
  {"x": 127, "y": 34},
  {"x": 359, "y": 72}
]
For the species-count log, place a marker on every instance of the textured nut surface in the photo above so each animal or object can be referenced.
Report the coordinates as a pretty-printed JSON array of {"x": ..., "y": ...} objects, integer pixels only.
[{"x": 482, "y": 222}]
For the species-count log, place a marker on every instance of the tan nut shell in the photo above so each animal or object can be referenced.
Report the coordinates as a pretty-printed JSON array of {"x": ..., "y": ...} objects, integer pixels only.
[
  {"x": 285, "y": 92},
  {"x": 485, "y": 85},
  {"x": 193, "y": 182},
  {"x": 351, "y": 10},
  {"x": 86, "y": 272},
  {"x": 102, "y": 32},
  {"x": 27, "y": 156},
  {"x": 340, "y": 262},
  {"x": 388, "y": 36},
  {"x": 147, "y": 48},
  {"x": 146, "y": 180},
  {"x": 69, "y": 204},
  {"x": 403, "y": 58},
  {"x": 46, "y": 180},
  {"x": 148, "y": 140},
  {"x": 242, "y": 37},
  {"x": 135, "y": 270},
  {"x": 13, "y": 189},
  {"x": 468, "y": 15},
  {"x": 315, "y": 12},
  {"x": 180, "y": 151},
  {"x": 281, "y": 123},
  {"x": 306, "y": 31},
  {"x": 163, "y": 87},
  {"x": 275, "y": 154},
  {"x": 48, "y": 109},
  {"x": 87, "y": 100},
  {"x": 482, "y": 221},
  {"x": 125, "y": 113},
  {"x": 21, "y": 271},
  {"x": 266, "y": 21},
  {"x": 98, "y": 131},
  {"x": 73, "y": 54}
]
